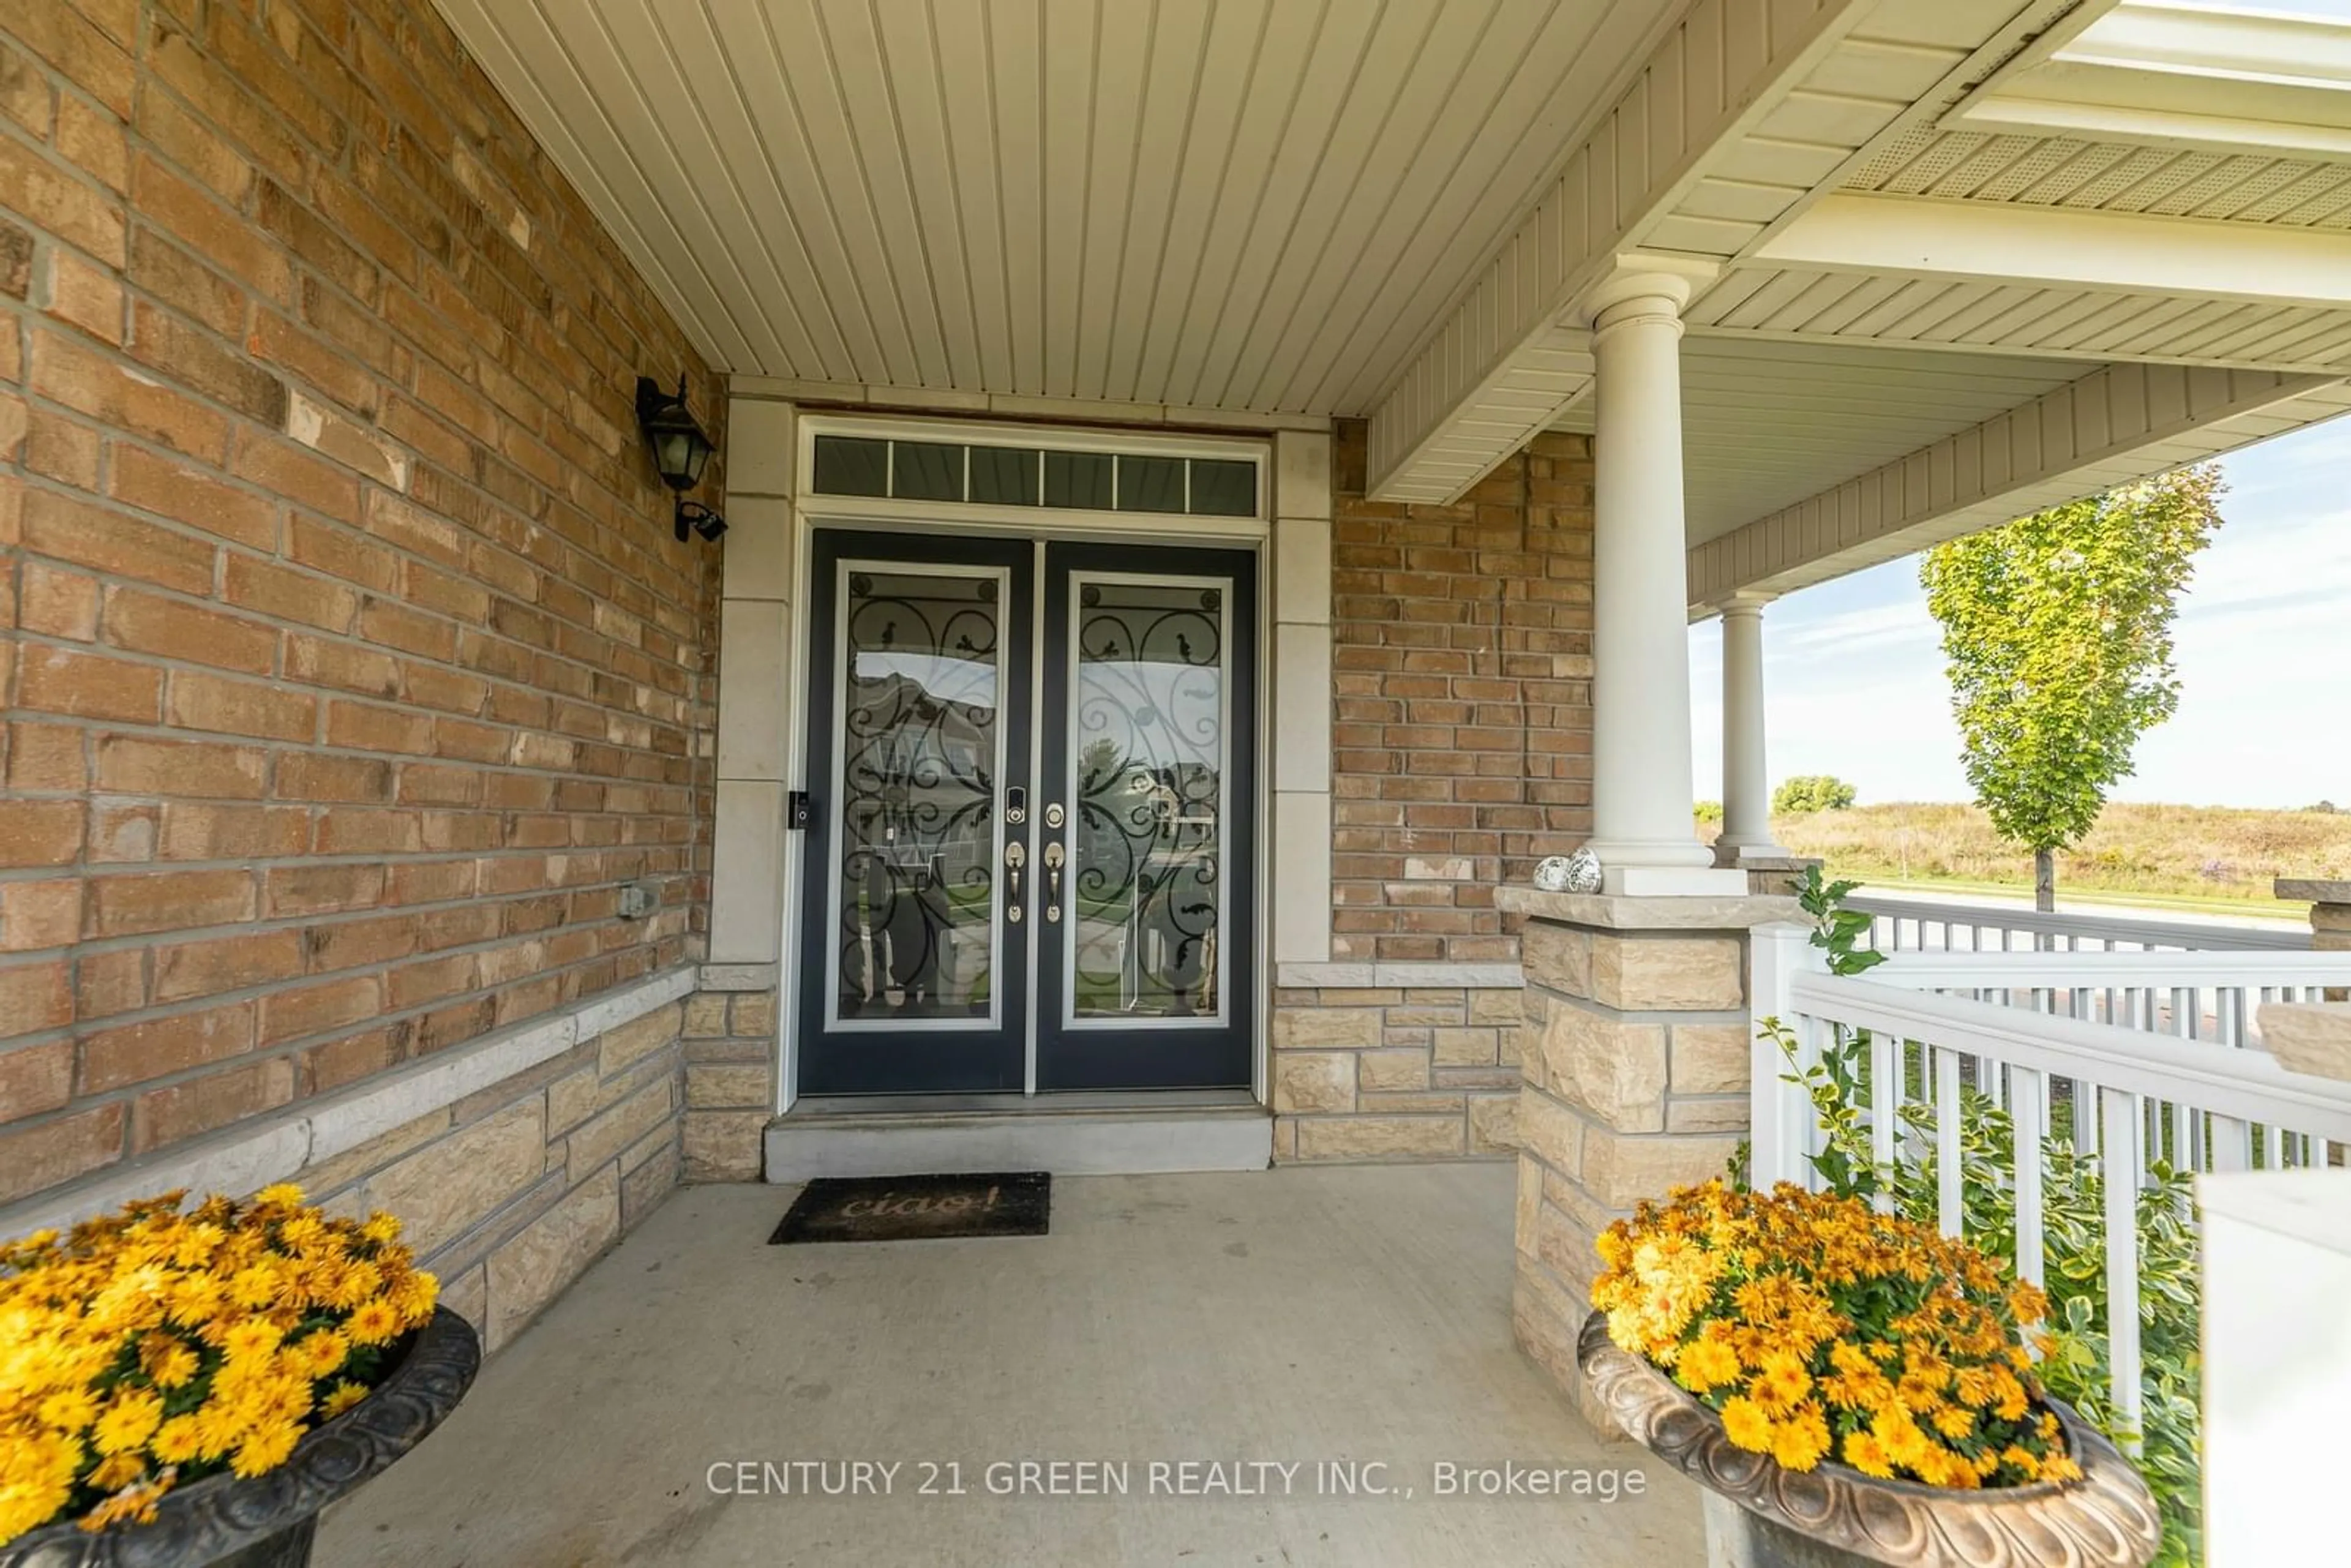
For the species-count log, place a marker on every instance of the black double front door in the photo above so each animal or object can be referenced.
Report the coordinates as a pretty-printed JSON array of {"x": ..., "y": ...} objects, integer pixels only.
[{"x": 1030, "y": 841}]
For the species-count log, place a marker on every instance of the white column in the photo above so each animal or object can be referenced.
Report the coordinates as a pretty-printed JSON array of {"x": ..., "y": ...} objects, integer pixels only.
[
  {"x": 1746, "y": 784},
  {"x": 1641, "y": 792}
]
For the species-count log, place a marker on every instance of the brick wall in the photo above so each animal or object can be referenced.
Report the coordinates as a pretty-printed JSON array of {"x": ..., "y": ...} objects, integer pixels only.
[
  {"x": 1461, "y": 745},
  {"x": 351, "y": 669}
]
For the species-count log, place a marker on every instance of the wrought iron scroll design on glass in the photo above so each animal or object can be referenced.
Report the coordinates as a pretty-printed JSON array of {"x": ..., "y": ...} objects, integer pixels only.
[
  {"x": 1149, "y": 747},
  {"x": 919, "y": 740}
]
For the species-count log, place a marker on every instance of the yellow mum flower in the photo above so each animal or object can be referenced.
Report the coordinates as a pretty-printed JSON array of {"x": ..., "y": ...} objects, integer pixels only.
[
  {"x": 319, "y": 1353},
  {"x": 1781, "y": 1380},
  {"x": 129, "y": 1420},
  {"x": 339, "y": 1398},
  {"x": 116, "y": 1471},
  {"x": 265, "y": 1449},
  {"x": 1745, "y": 1425},
  {"x": 177, "y": 1441},
  {"x": 283, "y": 1195},
  {"x": 69, "y": 1409},
  {"x": 358, "y": 1282},
  {"x": 415, "y": 1296},
  {"x": 373, "y": 1322},
  {"x": 253, "y": 1340},
  {"x": 222, "y": 1425},
  {"x": 1799, "y": 1442},
  {"x": 1865, "y": 1453},
  {"x": 38, "y": 1479},
  {"x": 1705, "y": 1363},
  {"x": 284, "y": 1396},
  {"x": 256, "y": 1285},
  {"x": 167, "y": 1362}
]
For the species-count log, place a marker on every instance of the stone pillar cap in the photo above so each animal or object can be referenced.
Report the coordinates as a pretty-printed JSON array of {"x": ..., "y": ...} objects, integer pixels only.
[
  {"x": 2312, "y": 889},
  {"x": 1616, "y": 912}
]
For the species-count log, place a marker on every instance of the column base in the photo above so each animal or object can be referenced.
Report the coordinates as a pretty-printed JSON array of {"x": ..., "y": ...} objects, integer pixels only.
[
  {"x": 1661, "y": 868},
  {"x": 1756, "y": 854},
  {"x": 1672, "y": 881}
]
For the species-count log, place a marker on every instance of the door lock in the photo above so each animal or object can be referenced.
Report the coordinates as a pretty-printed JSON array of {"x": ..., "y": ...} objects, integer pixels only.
[
  {"x": 1053, "y": 857},
  {"x": 1053, "y": 815},
  {"x": 1016, "y": 805}
]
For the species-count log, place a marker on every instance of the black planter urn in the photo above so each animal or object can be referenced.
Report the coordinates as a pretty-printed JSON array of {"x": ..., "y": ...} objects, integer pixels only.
[
  {"x": 1760, "y": 1515},
  {"x": 225, "y": 1522}
]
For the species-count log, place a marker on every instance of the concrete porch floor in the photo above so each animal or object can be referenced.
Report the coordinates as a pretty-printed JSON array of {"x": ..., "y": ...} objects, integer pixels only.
[{"x": 1294, "y": 1315}]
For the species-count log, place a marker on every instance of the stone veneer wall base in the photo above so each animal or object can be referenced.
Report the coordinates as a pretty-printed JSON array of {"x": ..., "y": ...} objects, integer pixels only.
[{"x": 512, "y": 1162}]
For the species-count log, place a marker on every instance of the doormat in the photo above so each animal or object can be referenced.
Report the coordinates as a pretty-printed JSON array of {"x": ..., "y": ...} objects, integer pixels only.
[{"x": 918, "y": 1208}]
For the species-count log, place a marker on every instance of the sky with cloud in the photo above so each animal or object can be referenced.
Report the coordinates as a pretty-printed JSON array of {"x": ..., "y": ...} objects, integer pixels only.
[{"x": 1854, "y": 669}]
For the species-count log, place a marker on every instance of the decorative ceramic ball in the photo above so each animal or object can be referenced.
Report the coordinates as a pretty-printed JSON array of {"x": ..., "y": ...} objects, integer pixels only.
[{"x": 1577, "y": 873}]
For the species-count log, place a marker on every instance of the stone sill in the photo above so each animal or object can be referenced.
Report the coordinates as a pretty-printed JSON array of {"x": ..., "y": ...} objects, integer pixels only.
[
  {"x": 724, "y": 977},
  {"x": 1415, "y": 975},
  {"x": 2309, "y": 1037},
  {"x": 1611, "y": 912},
  {"x": 2310, "y": 890}
]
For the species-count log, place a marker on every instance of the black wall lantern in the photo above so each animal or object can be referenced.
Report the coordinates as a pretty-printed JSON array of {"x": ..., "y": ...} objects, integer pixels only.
[{"x": 681, "y": 452}]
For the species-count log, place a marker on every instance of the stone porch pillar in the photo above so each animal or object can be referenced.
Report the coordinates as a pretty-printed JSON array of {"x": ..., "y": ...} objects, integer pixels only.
[
  {"x": 2330, "y": 910},
  {"x": 2330, "y": 916},
  {"x": 1641, "y": 792},
  {"x": 1635, "y": 1068}
]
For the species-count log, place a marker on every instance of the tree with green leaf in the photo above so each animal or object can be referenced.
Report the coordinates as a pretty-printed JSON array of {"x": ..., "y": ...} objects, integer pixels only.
[
  {"x": 2057, "y": 630},
  {"x": 1809, "y": 792}
]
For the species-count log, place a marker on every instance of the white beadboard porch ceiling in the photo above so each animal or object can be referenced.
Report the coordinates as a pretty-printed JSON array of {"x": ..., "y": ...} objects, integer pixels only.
[
  {"x": 2113, "y": 177},
  {"x": 1246, "y": 204},
  {"x": 1762, "y": 421}
]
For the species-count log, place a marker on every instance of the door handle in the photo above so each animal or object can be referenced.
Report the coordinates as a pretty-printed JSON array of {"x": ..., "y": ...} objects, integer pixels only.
[
  {"x": 1016, "y": 855},
  {"x": 1053, "y": 857}
]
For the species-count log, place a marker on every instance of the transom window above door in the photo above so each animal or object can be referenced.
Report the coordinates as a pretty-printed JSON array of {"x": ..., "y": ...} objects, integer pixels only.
[{"x": 999, "y": 475}]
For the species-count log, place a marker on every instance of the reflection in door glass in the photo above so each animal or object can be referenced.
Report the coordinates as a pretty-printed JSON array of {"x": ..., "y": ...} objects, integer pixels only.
[
  {"x": 1148, "y": 748},
  {"x": 919, "y": 744}
]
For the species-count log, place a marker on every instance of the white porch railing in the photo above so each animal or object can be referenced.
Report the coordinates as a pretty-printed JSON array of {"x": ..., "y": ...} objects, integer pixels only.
[
  {"x": 2140, "y": 1056},
  {"x": 1916, "y": 925}
]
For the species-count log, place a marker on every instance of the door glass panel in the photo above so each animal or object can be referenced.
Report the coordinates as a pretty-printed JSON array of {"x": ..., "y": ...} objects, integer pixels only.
[
  {"x": 1223, "y": 489},
  {"x": 920, "y": 743},
  {"x": 1078, "y": 479},
  {"x": 1148, "y": 741},
  {"x": 1003, "y": 475},
  {"x": 852, "y": 465},
  {"x": 927, "y": 470},
  {"x": 1150, "y": 484}
]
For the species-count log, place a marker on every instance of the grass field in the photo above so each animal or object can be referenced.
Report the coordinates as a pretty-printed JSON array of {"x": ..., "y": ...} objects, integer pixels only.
[{"x": 2208, "y": 858}]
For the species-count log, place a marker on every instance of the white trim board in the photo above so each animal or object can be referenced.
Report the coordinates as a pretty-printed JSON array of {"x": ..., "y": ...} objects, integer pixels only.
[{"x": 252, "y": 1154}]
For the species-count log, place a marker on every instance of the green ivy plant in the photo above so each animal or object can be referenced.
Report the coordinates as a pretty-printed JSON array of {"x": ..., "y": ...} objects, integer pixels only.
[{"x": 2075, "y": 1352}]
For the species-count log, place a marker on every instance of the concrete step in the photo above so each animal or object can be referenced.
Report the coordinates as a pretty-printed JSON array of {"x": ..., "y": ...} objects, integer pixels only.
[{"x": 1069, "y": 1135}]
